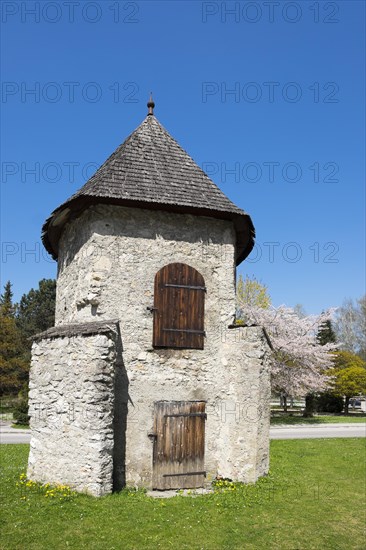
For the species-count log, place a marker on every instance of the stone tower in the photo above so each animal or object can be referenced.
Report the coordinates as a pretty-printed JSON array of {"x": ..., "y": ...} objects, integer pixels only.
[{"x": 144, "y": 380}]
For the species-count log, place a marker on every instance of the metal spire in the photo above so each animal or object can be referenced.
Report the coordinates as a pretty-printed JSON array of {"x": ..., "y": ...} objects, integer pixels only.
[{"x": 150, "y": 105}]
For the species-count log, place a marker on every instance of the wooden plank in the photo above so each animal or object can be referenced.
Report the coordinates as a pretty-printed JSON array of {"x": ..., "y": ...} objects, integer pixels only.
[
  {"x": 178, "y": 455},
  {"x": 179, "y": 307}
]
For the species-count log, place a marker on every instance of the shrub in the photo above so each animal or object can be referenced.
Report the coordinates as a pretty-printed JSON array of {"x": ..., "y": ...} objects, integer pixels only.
[
  {"x": 20, "y": 413},
  {"x": 326, "y": 402}
]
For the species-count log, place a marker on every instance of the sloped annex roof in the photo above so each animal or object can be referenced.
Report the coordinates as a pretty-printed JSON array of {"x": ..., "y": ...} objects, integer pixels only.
[
  {"x": 81, "y": 329},
  {"x": 150, "y": 170}
]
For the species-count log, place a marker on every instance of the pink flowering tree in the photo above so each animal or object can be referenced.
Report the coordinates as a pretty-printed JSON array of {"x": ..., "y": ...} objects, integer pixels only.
[{"x": 299, "y": 363}]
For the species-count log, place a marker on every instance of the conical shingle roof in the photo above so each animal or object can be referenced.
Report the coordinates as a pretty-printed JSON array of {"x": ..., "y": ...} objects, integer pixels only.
[{"x": 151, "y": 170}]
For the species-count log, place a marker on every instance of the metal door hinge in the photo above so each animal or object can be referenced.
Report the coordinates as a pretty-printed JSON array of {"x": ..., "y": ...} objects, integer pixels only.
[{"x": 203, "y": 473}]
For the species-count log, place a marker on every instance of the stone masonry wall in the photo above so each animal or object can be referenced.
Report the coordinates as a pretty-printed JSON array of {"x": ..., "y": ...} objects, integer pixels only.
[
  {"x": 235, "y": 386},
  {"x": 109, "y": 256},
  {"x": 71, "y": 401},
  {"x": 107, "y": 263}
]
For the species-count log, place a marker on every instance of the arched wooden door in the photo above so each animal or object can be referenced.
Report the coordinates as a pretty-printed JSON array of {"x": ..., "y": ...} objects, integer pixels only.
[{"x": 179, "y": 303}]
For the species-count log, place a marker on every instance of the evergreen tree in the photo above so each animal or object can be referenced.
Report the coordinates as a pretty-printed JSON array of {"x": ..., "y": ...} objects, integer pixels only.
[
  {"x": 36, "y": 310},
  {"x": 13, "y": 366},
  {"x": 6, "y": 301},
  {"x": 34, "y": 313},
  {"x": 326, "y": 334}
]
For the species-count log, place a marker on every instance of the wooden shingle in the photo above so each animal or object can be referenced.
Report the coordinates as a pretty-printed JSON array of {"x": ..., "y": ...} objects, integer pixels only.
[{"x": 151, "y": 170}]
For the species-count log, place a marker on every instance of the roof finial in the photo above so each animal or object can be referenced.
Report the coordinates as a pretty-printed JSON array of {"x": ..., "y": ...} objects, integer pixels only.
[{"x": 151, "y": 105}]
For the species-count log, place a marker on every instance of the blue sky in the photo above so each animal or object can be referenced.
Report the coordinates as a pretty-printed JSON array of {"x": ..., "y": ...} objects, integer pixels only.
[{"x": 267, "y": 97}]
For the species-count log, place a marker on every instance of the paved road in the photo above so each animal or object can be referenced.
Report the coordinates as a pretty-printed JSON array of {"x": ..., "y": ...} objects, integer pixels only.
[
  {"x": 300, "y": 431},
  {"x": 15, "y": 437},
  {"x": 11, "y": 435},
  {"x": 320, "y": 430}
]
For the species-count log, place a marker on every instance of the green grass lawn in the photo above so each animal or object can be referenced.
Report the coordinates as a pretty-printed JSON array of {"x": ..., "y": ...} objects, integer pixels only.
[
  {"x": 312, "y": 499},
  {"x": 20, "y": 426},
  {"x": 321, "y": 419}
]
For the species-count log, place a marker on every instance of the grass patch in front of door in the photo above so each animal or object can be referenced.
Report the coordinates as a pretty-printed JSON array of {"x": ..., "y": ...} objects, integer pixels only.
[{"x": 313, "y": 498}]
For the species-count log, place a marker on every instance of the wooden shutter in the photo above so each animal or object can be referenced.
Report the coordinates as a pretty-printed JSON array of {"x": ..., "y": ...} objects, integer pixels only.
[
  {"x": 179, "y": 444},
  {"x": 179, "y": 299}
]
